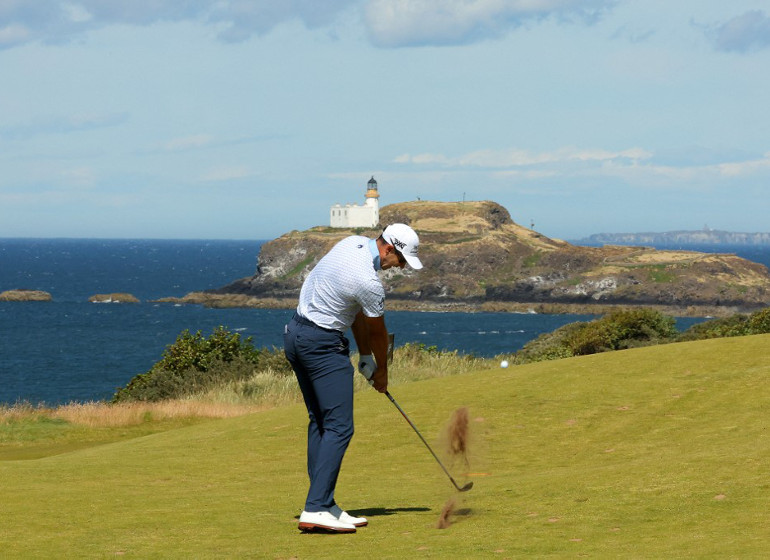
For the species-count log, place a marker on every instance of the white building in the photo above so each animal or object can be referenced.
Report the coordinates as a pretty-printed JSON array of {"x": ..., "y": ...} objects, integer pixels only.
[{"x": 353, "y": 215}]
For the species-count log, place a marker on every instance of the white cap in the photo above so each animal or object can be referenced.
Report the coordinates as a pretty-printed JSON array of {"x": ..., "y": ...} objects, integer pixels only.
[{"x": 403, "y": 238}]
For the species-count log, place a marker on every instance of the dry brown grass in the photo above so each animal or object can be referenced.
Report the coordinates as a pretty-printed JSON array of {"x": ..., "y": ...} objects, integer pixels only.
[
  {"x": 264, "y": 390},
  {"x": 18, "y": 412},
  {"x": 104, "y": 415}
]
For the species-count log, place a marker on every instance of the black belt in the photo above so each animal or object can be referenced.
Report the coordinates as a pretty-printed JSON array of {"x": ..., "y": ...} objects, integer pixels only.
[{"x": 308, "y": 323}]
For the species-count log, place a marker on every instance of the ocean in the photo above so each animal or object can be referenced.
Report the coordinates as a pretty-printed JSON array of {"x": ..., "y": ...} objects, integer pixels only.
[{"x": 73, "y": 350}]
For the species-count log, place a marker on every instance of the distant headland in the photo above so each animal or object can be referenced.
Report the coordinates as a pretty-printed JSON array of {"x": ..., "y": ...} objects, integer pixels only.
[
  {"x": 478, "y": 259},
  {"x": 705, "y": 236}
]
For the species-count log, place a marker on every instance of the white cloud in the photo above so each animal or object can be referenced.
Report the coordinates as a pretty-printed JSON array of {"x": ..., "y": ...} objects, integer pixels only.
[
  {"x": 188, "y": 142},
  {"x": 520, "y": 158},
  {"x": 633, "y": 154},
  {"x": 59, "y": 124},
  {"x": 400, "y": 23},
  {"x": 138, "y": 12},
  {"x": 13, "y": 34},
  {"x": 634, "y": 166},
  {"x": 529, "y": 174},
  {"x": 680, "y": 177},
  {"x": 745, "y": 167},
  {"x": 76, "y": 13},
  {"x": 81, "y": 177},
  {"x": 423, "y": 159},
  {"x": 54, "y": 21},
  {"x": 224, "y": 174},
  {"x": 746, "y": 32},
  {"x": 58, "y": 198},
  {"x": 244, "y": 18},
  {"x": 502, "y": 158},
  {"x": 390, "y": 23}
]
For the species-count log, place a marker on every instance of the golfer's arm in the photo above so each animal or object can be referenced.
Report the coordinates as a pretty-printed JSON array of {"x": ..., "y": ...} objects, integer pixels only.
[
  {"x": 378, "y": 342},
  {"x": 361, "y": 334},
  {"x": 371, "y": 338}
]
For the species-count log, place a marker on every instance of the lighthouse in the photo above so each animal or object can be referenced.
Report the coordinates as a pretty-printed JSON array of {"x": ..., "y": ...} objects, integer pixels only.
[{"x": 366, "y": 215}]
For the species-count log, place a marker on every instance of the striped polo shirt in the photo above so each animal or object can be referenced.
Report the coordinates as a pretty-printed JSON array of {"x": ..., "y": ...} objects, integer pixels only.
[{"x": 343, "y": 283}]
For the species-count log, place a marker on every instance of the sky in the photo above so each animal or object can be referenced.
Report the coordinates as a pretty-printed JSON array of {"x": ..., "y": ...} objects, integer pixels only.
[{"x": 235, "y": 119}]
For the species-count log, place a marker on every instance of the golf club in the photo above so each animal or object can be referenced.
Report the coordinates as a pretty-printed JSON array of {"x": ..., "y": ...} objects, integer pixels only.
[{"x": 461, "y": 489}]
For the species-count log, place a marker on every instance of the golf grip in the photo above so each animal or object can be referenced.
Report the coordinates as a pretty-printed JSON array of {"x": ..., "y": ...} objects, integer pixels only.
[{"x": 422, "y": 438}]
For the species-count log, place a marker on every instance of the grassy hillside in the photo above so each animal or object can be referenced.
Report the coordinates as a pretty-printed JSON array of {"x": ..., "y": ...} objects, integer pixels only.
[{"x": 657, "y": 452}]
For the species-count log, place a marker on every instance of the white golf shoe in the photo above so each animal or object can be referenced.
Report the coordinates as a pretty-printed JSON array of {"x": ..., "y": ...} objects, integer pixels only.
[
  {"x": 323, "y": 521},
  {"x": 345, "y": 517}
]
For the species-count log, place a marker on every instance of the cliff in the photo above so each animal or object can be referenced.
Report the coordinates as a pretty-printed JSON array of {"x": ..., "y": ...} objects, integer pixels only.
[{"x": 476, "y": 255}]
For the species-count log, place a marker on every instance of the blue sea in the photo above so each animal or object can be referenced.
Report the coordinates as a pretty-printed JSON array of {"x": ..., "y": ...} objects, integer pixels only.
[{"x": 73, "y": 350}]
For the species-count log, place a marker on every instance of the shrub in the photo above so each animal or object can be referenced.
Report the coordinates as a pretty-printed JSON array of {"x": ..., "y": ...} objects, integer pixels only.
[
  {"x": 736, "y": 325},
  {"x": 549, "y": 346},
  {"x": 192, "y": 364},
  {"x": 592, "y": 338},
  {"x": 274, "y": 361},
  {"x": 627, "y": 329},
  {"x": 615, "y": 331},
  {"x": 759, "y": 322}
]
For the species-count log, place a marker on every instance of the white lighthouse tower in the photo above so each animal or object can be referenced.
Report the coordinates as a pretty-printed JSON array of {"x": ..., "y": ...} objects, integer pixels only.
[{"x": 355, "y": 216}]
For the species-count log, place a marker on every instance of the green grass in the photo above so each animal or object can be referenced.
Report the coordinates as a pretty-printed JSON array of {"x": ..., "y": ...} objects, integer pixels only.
[
  {"x": 661, "y": 274},
  {"x": 533, "y": 259},
  {"x": 657, "y": 452},
  {"x": 44, "y": 436},
  {"x": 299, "y": 268}
]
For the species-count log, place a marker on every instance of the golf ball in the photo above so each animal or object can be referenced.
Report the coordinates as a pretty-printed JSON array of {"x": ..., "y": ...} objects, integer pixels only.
[{"x": 504, "y": 364}]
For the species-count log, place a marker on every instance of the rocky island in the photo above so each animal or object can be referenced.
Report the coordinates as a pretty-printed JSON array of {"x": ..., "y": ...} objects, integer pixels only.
[
  {"x": 119, "y": 297},
  {"x": 25, "y": 295},
  {"x": 478, "y": 259}
]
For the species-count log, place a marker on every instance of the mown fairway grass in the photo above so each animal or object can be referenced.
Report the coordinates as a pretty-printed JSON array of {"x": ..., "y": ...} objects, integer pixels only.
[{"x": 659, "y": 452}]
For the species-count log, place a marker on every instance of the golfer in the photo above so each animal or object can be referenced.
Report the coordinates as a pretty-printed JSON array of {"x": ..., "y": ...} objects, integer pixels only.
[{"x": 343, "y": 291}]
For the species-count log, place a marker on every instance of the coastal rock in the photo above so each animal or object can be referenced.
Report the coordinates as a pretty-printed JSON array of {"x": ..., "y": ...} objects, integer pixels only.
[
  {"x": 113, "y": 298},
  {"x": 25, "y": 295},
  {"x": 475, "y": 255}
]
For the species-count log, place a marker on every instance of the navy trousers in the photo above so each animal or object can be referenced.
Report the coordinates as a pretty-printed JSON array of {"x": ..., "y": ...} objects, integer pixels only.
[{"x": 321, "y": 361}]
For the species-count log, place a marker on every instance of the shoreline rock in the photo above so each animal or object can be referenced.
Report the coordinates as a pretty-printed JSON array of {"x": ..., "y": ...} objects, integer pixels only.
[
  {"x": 223, "y": 301},
  {"x": 117, "y": 297},
  {"x": 25, "y": 295}
]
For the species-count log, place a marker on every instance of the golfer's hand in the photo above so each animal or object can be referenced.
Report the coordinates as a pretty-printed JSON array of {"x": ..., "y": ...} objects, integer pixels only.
[
  {"x": 366, "y": 366},
  {"x": 380, "y": 379}
]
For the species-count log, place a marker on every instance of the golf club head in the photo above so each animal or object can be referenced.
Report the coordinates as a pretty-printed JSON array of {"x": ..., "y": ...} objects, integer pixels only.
[{"x": 466, "y": 487}]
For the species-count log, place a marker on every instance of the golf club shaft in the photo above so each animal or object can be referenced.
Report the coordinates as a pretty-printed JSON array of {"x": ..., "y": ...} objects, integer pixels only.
[{"x": 425, "y": 442}]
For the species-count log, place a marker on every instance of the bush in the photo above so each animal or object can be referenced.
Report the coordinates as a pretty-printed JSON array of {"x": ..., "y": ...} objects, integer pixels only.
[
  {"x": 737, "y": 325},
  {"x": 759, "y": 322},
  {"x": 549, "y": 346},
  {"x": 191, "y": 364},
  {"x": 623, "y": 329},
  {"x": 616, "y": 331}
]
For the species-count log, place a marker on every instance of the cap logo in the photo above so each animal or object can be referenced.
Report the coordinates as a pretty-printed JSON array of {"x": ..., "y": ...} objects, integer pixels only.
[{"x": 397, "y": 243}]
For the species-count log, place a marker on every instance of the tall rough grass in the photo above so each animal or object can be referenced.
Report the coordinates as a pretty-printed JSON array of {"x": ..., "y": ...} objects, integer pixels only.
[
  {"x": 105, "y": 415},
  {"x": 271, "y": 384},
  {"x": 277, "y": 386}
]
